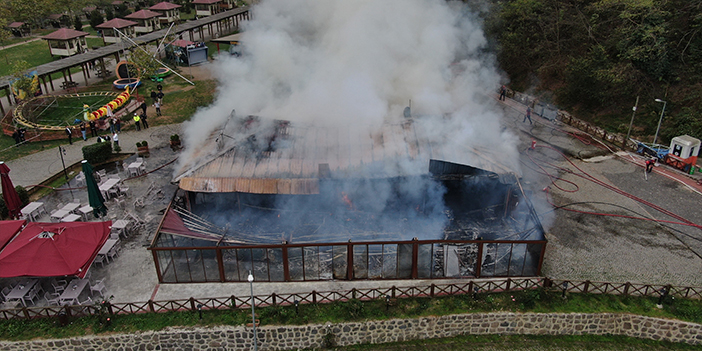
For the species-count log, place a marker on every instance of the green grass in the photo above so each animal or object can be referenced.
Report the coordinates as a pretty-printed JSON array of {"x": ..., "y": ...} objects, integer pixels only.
[
  {"x": 35, "y": 53},
  {"x": 64, "y": 111},
  {"x": 94, "y": 42},
  {"x": 181, "y": 104},
  {"x": 8, "y": 152},
  {"x": 355, "y": 310},
  {"x": 527, "y": 342},
  {"x": 187, "y": 16}
]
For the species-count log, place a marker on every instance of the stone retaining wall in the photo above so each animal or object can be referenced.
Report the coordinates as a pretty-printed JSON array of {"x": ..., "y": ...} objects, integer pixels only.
[{"x": 375, "y": 332}]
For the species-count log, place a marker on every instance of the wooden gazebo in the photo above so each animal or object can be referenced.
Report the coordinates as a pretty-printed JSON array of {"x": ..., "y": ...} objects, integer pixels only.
[
  {"x": 147, "y": 21},
  {"x": 169, "y": 12},
  {"x": 19, "y": 29},
  {"x": 110, "y": 35},
  {"x": 207, "y": 7},
  {"x": 66, "y": 42}
]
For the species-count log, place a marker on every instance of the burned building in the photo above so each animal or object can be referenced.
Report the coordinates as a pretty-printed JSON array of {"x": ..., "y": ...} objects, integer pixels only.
[{"x": 294, "y": 202}]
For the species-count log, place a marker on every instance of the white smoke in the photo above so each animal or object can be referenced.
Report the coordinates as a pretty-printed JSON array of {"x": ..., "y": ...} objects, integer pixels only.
[{"x": 358, "y": 63}]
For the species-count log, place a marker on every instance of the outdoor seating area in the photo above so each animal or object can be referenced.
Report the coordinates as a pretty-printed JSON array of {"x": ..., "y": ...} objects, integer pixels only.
[
  {"x": 44, "y": 264},
  {"x": 51, "y": 291}
]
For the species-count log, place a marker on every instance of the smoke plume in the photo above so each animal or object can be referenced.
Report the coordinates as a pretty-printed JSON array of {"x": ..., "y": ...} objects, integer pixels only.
[{"x": 358, "y": 64}]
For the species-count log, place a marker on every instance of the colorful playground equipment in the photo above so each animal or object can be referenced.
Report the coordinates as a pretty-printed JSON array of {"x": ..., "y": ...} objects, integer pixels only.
[{"x": 120, "y": 100}]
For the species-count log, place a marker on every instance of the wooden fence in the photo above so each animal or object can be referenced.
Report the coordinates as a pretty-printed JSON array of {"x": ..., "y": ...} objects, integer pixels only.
[{"x": 314, "y": 297}]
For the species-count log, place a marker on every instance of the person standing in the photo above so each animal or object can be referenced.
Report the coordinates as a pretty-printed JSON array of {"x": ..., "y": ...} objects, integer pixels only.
[
  {"x": 144, "y": 122},
  {"x": 69, "y": 132},
  {"x": 93, "y": 128},
  {"x": 158, "y": 108},
  {"x": 160, "y": 97},
  {"x": 159, "y": 87},
  {"x": 115, "y": 139},
  {"x": 118, "y": 124},
  {"x": 16, "y": 136},
  {"x": 527, "y": 115},
  {"x": 143, "y": 106},
  {"x": 154, "y": 96},
  {"x": 82, "y": 131},
  {"x": 112, "y": 125},
  {"x": 503, "y": 93},
  {"x": 136, "y": 119}
]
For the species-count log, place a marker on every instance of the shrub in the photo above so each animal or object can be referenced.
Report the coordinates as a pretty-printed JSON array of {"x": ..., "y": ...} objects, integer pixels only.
[
  {"x": 144, "y": 143},
  {"x": 138, "y": 144},
  {"x": 23, "y": 194},
  {"x": 117, "y": 149},
  {"x": 97, "y": 153},
  {"x": 175, "y": 137}
]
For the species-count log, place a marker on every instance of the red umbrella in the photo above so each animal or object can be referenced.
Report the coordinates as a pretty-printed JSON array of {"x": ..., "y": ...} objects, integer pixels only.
[{"x": 9, "y": 194}]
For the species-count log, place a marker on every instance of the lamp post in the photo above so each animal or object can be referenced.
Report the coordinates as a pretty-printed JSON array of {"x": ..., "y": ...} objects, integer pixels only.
[
  {"x": 659, "y": 120},
  {"x": 61, "y": 152},
  {"x": 253, "y": 311}
]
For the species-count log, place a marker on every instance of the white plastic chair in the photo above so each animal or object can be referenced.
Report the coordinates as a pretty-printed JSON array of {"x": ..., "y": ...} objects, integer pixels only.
[
  {"x": 31, "y": 295},
  {"x": 101, "y": 260},
  {"x": 52, "y": 298},
  {"x": 4, "y": 292},
  {"x": 99, "y": 287},
  {"x": 59, "y": 286},
  {"x": 88, "y": 301}
]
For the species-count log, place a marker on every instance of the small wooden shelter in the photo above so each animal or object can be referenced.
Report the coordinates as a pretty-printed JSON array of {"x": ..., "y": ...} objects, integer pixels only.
[
  {"x": 19, "y": 29},
  {"x": 110, "y": 35},
  {"x": 169, "y": 12},
  {"x": 66, "y": 42},
  {"x": 207, "y": 7},
  {"x": 147, "y": 21}
]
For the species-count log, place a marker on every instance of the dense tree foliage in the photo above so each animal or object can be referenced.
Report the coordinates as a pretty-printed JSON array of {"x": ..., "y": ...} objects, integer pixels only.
[{"x": 597, "y": 56}]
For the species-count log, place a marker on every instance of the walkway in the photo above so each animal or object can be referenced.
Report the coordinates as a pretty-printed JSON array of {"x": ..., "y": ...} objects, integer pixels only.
[{"x": 36, "y": 168}]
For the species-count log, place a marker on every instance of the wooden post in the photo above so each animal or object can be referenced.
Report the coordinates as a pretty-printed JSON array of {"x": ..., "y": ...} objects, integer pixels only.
[
  {"x": 349, "y": 261},
  {"x": 220, "y": 264},
  {"x": 286, "y": 264},
  {"x": 415, "y": 259},
  {"x": 479, "y": 261},
  {"x": 85, "y": 76}
]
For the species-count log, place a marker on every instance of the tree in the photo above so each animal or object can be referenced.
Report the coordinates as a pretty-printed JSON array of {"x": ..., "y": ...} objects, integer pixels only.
[
  {"x": 29, "y": 11},
  {"x": 144, "y": 66},
  {"x": 109, "y": 14},
  {"x": 122, "y": 11},
  {"x": 24, "y": 84},
  {"x": 96, "y": 19},
  {"x": 77, "y": 23}
]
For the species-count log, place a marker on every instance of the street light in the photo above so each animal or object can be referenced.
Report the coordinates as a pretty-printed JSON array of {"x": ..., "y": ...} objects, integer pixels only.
[
  {"x": 253, "y": 312},
  {"x": 659, "y": 121}
]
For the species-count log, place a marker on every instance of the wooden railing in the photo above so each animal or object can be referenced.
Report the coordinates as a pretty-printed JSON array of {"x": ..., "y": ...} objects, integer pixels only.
[{"x": 314, "y": 297}]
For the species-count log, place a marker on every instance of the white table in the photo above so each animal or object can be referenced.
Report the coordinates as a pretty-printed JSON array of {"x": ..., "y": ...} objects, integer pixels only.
[
  {"x": 109, "y": 244},
  {"x": 120, "y": 226},
  {"x": 135, "y": 168},
  {"x": 71, "y": 206},
  {"x": 21, "y": 290},
  {"x": 84, "y": 211},
  {"x": 107, "y": 185},
  {"x": 59, "y": 214},
  {"x": 32, "y": 210},
  {"x": 73, "y": 290},
  {"x": 71, "y": 217}
]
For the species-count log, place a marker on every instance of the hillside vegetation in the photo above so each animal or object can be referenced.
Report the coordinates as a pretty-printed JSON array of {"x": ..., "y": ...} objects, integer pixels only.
[{"x": 594, "y": 57}]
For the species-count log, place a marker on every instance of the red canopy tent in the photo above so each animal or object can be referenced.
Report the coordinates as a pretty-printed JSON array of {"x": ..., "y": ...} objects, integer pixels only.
[
  {"x": 54, "y": 249},
  {"x": 8, "y": 230}
]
